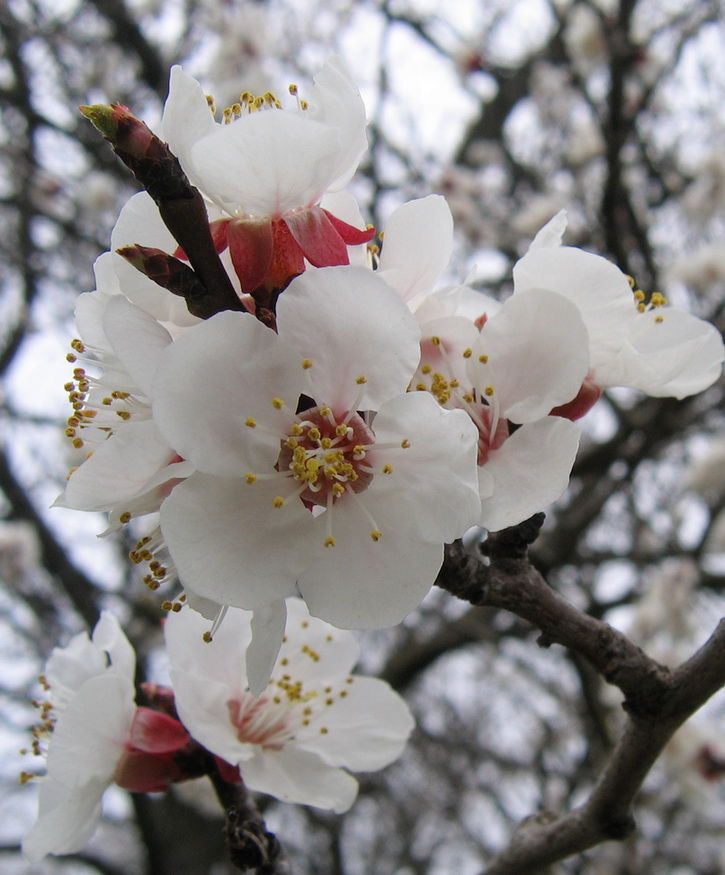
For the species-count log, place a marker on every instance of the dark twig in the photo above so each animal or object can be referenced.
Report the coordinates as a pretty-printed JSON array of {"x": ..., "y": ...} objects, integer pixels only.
[
  {"x": 657, "y": 700},
  {"x": 251, "y": 846}
]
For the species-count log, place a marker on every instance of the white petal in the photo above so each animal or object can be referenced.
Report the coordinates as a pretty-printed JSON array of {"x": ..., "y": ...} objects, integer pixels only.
[
  {"x": 187, "y": 117},
  {"x": 221, "y": 659},
  {"x": 67, "y": 819},
  {"x": 295, "y": 775},
  {"x": 417, "y": 246},
  {"x": 538, "y": 355},
  {"x": 89, "y": 735},
  {"x": 552, "y": 232},
  {"x": 433, "y": 482},
  {"x": 119, "y": 469},
  {"x": 109, "y": 636},
  {"x": 598, "y": 288},
  {"x": 669, "y": 353},
  {"x": 69, "y": 667},
  {"x": 230, "y": 542},
  {"x": 266, "y": 163},
  {"x": 212, "y": 379},
  {"x": 137, "y": 339},
  {"x": 268, "y": 624},
  {"x": 202, "y": 704},
  {"x": 361, "y": 583},
  {"x": 530, "y": 470},
  {"x": 349, "y": 324},
  {"x": 337, "y": 650},
  {"x": 140, "y": 222},
  {"x": 336, "y": 101},
  {"x": 367, "y": 729}
]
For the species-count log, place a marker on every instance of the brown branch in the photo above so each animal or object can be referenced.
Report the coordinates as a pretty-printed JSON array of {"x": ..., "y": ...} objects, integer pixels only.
[
  {"x": 250, "y": 844},
  {"x": 658, "y": 700}
]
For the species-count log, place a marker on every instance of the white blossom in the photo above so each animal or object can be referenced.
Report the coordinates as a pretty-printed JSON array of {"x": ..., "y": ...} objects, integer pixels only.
[{"x": 313, "y": 721}]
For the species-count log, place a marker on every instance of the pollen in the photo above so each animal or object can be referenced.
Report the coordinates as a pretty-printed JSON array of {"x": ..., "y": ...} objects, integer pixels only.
[
  {"x": 250, "y": 478},
  {"x": 467, "y": 353},
  {"x": 306, "y": 364},
  {"x": 361, "y": 380},
  {"x": 125, "y": 517},
  {"x": 659, "y": 319},
  {"x": 329, "y": 541},
  {"x": 387, "y": 469},
  {"x": 278, "y": 501},
  {"x": 488, "y": 391},
  {"x": 277, "y": 403},
  {"x": 483, "y": 358},
  {"x": 405, "y": 443},
  {"x": 426, "y": 369},
  {"x": 435, "y": 340},
  {"x": 250, "y": 422},
  {"x": 376, "y": 535}
]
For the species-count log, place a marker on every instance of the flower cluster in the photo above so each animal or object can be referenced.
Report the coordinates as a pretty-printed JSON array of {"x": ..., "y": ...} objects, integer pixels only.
[
  {"x": 314, "y": 720},
  {"x": 291, "y": 412}
]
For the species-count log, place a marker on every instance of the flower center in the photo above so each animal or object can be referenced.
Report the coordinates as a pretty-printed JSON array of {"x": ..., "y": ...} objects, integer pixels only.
[
  {"x": 259, "y": 721},
  {"x": 327, "y": 455}
]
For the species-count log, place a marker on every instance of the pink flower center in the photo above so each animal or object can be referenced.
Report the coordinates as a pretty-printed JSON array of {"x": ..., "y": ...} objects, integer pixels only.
[
  {"x": 327, "y": 454},
  {"x": 260, "y": 721}
]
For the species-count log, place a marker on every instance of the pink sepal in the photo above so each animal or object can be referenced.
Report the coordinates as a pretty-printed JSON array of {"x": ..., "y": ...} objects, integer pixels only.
[
  {"x": 585, "y": 399},
  {"x": 154, "y": 732},
  {"x": 142, "y": 772},
  {"x": 228, "y": 772},
  {"x": 349, "y": 233},
  {"x": 250, "y": 246},
  {"x": 317, "y": 237}
]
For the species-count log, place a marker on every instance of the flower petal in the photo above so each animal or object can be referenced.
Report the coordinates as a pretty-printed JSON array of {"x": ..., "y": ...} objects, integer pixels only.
[
  {"x": 231, "y": 543},
  {"x": 266, "y": 163},
  {"x": 537, "y": 353},
  {"x": 140, "y": 222},
  {"x": 529, "y": 471},
  {"x": 361, "y": 583},
  {"x": 295, "y": 775},
  {"x": 669, "y": 353},
  {"x": 433, "y": 481},
  {"x": 222, "y": 658},
  {"x": 597, "y": 287},
  {"x": 89, "y": 735},
  {"x": 350, "y": 325},
  {"x": 335, "y": 100},
  {"x": 212, "y": 379},
  {"x": 268, "y": 624},
  {"x": 187, "y": 118},
  {"x": 109, "y": 636},
  {"x": 119, "y": 469},
  {"x": 367, "y": 729},
  {"x": 67, "y": 818},
  {"x": 136, "y": 338},
  {"x": 417, "y": 247},
  {"x": 337, "y": 650}
]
